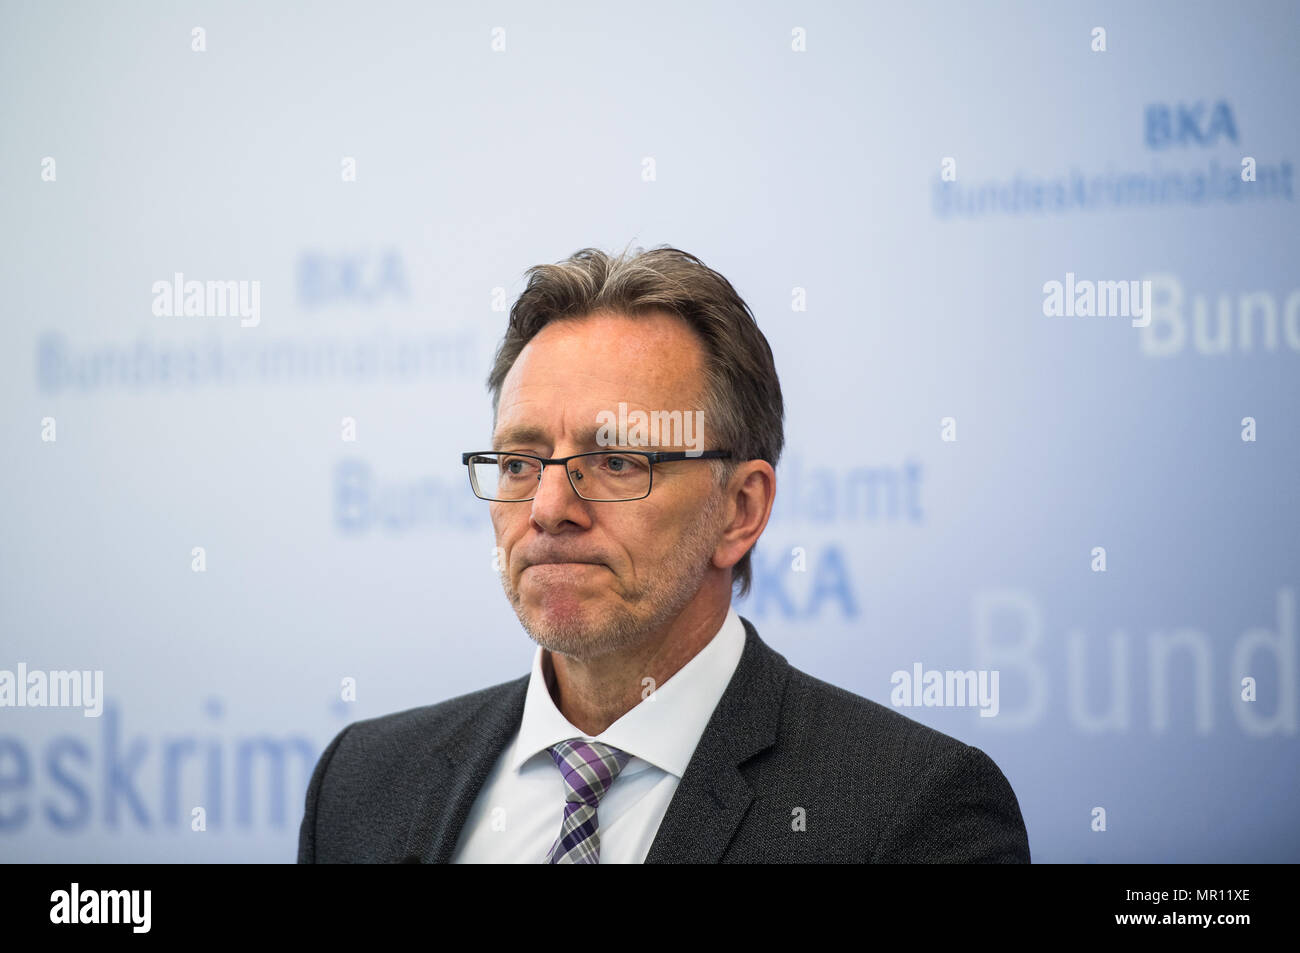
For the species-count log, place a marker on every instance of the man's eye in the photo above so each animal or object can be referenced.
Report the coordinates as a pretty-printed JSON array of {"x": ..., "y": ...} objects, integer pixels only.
[
  {"x": 623, "y": 464},
  {"x": 516, "y": 467}
]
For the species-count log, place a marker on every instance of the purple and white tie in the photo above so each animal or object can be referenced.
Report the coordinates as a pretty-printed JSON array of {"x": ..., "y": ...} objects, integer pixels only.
[{"x": 589, "y": 768}]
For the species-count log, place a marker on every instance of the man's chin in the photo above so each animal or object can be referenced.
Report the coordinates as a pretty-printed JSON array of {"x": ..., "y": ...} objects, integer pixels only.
[
  {"x": 561, "y": 631},
  {"x": 575, "y": 631}
]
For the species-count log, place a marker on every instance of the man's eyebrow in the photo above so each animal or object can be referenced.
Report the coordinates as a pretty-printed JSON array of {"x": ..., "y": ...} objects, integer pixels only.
[{"x": 514, "y": 436}]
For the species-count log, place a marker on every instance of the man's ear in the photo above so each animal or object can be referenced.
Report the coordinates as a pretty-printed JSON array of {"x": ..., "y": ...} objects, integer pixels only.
[{"x": 748, "y": 499}]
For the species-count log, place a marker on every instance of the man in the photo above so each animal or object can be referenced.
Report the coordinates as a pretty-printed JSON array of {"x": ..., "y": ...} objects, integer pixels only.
[{"x": 637, "y": 424}]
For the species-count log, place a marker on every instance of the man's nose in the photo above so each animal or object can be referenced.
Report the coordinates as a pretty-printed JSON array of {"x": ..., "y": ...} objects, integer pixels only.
[{"x": 555, "y": 501}]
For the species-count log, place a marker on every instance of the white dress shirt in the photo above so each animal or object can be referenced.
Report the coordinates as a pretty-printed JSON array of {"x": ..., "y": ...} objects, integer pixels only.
[{"x": 517, "y": 814}]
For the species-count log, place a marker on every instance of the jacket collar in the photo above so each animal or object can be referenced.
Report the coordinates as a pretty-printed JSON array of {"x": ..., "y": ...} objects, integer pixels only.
[{"x": 706, "y": 809}]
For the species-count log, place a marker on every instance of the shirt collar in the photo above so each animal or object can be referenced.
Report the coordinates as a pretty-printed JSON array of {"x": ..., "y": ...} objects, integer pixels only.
[{"x": 663, "y": 728}]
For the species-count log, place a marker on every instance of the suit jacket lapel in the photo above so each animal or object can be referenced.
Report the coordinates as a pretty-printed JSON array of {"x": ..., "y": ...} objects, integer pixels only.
[
  {"x": 713, "y": 795},
  {"x": 456, "y": 764}
]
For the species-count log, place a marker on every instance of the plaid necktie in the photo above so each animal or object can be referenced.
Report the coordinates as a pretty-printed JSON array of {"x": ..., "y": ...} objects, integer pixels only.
[{"x": 589, "y": 768}]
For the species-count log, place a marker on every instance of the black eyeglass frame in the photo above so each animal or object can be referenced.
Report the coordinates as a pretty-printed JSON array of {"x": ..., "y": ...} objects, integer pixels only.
[{"x": 651, "y": 456}]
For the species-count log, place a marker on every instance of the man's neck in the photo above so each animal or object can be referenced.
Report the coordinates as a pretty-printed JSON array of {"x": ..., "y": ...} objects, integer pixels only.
[{"x": 594, "y": 693}]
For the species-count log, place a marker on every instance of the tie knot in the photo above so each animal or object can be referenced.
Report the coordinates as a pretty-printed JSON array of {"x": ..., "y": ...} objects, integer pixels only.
[{"x": 588, "y": 767}]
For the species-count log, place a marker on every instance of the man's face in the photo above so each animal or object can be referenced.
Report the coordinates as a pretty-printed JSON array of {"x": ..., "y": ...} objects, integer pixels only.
[{"x": 587, "y": 578}]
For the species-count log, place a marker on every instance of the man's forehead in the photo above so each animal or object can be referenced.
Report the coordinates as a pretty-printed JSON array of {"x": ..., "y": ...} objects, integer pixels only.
[
  {"x": 662, "y": 373},
  {"x": 656, "y": 347}
]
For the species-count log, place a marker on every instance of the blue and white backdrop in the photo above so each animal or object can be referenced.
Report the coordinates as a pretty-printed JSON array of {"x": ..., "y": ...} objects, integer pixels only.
[{"x": 1095, "y": 495}]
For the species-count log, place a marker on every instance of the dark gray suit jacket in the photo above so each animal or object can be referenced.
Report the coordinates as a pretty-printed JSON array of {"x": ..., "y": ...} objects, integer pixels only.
[{"x": 875, "y": 786}]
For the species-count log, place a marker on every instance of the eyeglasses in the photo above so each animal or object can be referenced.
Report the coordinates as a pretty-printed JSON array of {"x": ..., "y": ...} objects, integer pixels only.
[{"x": 598, "y": 476}]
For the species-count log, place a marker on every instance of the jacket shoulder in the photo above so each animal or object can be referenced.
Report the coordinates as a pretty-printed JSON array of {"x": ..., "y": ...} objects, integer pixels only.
[
  {"x": 364, "y": 791},
  {"x": 896, "y": 789},
  {"x": 441, "y": 718},
  {"x": 866, "y": 729}
]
